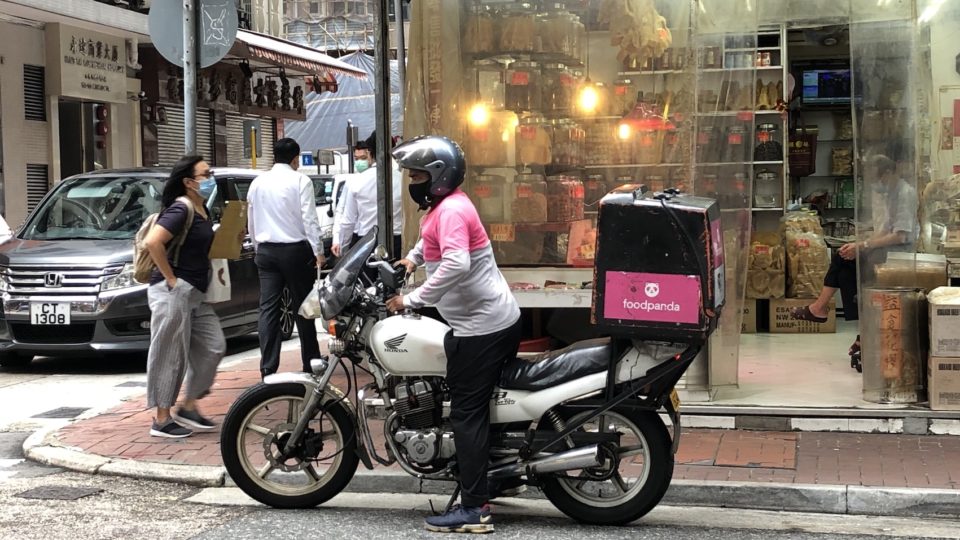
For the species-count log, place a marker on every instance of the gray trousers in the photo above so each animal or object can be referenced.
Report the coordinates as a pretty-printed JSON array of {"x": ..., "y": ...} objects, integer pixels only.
[{"x": 185, "y": 340}]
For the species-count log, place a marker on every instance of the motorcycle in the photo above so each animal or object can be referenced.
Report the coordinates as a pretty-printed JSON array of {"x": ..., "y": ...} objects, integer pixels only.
[{"x": 581, "y": 423}]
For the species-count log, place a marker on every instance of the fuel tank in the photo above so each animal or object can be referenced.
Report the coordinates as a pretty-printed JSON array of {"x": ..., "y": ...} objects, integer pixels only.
[{"x": 410, "y": 345}]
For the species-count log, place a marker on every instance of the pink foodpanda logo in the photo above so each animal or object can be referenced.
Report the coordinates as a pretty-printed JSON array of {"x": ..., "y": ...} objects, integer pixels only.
[{"x": 652, "y": 297}]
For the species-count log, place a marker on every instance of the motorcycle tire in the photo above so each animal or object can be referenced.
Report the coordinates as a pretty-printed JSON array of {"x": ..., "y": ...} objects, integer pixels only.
[
  {"x": 232, "y": 460},
  {"x": 657, "y": 440}
]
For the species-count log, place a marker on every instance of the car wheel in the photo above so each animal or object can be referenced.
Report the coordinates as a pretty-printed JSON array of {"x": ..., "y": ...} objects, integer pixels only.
[
  {"x": 288, "y": 314},
  {"x": 15, "y": 360}
]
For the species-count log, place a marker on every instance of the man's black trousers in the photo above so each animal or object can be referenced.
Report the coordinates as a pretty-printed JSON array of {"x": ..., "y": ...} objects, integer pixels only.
[
  {"x": 292, "y": 266},
  {"x": 473, "y": 370}
]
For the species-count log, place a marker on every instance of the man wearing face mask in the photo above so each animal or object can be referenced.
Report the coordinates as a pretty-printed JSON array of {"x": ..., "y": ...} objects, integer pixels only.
[
  {"x": 467, "y": 288},
  {"x": 359, "y": 200},
  {"x": 282, "y": 221},
  {"x": 361, "y": 162}
]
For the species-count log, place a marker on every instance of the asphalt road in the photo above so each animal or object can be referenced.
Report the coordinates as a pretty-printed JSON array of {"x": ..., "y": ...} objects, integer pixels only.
[
  {"x": 131, "y": 509},
  {"x": 112, "y": 507}
]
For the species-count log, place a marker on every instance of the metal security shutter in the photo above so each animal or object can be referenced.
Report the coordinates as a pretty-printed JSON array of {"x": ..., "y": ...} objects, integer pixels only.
[
  {"x": 34, "y": 100},
  {"x": 37, "y": 185},
  {"x": 170, "y": 136},
  {"x": 235, "y": 142}
]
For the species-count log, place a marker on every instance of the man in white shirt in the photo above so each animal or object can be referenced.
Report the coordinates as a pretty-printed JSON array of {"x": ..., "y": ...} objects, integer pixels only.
[
  {"x": 360, "y": 203},
  {"x": 361, "y": 162},
  {"x": 282, "y": 220}
]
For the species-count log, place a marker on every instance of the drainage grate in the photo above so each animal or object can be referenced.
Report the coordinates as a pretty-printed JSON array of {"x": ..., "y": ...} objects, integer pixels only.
[
  {"x": 131, "y": 384},
  {"x": 62, "y": 412},
  {"x": 59, "y": 493}
]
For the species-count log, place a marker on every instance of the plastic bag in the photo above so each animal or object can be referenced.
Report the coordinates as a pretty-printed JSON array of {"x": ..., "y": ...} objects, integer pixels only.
[{"x": 310, "y": 307}]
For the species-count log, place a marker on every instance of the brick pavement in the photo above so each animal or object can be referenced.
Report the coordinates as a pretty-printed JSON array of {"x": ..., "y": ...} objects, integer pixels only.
[{"x": 887, "y": 460}]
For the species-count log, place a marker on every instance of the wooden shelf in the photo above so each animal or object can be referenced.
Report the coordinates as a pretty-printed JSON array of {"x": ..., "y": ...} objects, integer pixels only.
[
  {"x": 655, "y": 72},
  {"x": 737, "y": 113},
  {"x": 751, "y": 68},
  {"x": 636, "y": 165}
]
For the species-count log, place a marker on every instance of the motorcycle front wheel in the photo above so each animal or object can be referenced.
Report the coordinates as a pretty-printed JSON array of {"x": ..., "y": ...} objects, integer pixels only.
[
  {"x": 636, "y": 476},
  {"x": 255, "y": 432}
]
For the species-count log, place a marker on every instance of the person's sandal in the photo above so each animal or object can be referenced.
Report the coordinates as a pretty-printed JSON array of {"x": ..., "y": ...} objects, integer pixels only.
[
  {"x": 855, "y": 348},
  {"x": 804, "y": 314}
]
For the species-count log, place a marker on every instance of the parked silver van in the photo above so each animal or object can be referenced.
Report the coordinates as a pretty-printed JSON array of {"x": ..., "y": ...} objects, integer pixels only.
[{"x": 66, "y": 278}]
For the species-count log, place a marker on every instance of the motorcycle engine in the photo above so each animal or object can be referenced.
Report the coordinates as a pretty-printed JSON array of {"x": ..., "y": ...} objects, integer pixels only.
[{"x": 419, "y": 403}]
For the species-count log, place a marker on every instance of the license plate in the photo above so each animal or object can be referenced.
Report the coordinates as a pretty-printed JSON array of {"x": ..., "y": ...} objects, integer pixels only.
[
  {"x": 44, "y": 313},
  {"x": 675, "y": 399}
]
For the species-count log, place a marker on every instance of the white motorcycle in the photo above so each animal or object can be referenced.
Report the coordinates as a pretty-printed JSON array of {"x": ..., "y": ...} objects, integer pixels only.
[{"x": 581, "y": 423}]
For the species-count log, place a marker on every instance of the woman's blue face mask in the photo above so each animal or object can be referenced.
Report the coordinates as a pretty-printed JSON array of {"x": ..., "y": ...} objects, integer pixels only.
[{"x": 206, "y": 187}]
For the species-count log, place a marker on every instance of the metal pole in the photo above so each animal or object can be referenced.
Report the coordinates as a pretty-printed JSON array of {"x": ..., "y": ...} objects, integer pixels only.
[
  {"x": 382, "y": 98},
  {"x": 189, "y": 76},
  {"x": 401, "y": 48}
]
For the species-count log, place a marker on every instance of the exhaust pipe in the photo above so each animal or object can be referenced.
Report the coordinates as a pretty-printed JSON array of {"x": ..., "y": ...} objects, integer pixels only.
[{"x": 578, "y": 458}]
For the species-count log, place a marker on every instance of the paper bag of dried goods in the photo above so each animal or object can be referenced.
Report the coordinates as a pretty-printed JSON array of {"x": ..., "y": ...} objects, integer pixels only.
[
  {"x": 807, "y": 254},
  {"x": 765, "y": 274}
]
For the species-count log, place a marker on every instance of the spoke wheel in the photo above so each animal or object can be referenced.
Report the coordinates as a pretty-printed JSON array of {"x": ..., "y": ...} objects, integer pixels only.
[
  {"x": 254, "y": 440},
  {"x": 633, "y": 478},
  {"x": 288, "y": 314}
]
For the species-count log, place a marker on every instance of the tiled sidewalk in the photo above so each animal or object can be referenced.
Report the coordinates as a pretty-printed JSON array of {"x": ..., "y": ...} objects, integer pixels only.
[{"x": 888, "y": 460}]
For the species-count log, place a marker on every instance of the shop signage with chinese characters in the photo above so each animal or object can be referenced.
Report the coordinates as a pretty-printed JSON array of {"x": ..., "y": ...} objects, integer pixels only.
[{"x": 86, "y": 65}]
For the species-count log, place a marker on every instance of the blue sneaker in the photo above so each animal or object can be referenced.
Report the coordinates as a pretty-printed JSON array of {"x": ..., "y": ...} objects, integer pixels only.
[{"x": 462, "y": 519}]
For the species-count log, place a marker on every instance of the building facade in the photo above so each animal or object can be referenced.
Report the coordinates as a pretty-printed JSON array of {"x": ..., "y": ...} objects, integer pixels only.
[{"x": 69, "y": 94}]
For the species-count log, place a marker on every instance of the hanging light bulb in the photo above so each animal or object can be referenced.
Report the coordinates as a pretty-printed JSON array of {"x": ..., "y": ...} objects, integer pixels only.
[
  {"x": 479, "y": 115},
  {"x": 589, "y": 99},
  {"x": 624, "y": 131}
]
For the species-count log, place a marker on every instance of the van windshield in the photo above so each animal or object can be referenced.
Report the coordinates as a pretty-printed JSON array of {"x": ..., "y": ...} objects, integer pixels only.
[{"x": 99, "y": 208}]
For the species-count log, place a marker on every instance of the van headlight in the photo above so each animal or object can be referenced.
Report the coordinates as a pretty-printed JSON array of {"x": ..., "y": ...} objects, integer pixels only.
[{"x": 123, "y": 280}]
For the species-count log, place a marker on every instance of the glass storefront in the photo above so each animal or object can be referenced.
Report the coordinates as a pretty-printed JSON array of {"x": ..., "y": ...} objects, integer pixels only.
[{"x": 557, "y": 103}]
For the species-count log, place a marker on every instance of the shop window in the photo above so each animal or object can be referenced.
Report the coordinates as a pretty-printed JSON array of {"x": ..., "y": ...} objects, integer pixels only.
[
  {"x": 34, "y": 101},
  {"x": 37, "y": 184}
]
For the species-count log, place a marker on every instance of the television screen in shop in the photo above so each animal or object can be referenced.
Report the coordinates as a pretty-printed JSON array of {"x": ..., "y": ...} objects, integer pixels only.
[{"x": 826, "y": 86}]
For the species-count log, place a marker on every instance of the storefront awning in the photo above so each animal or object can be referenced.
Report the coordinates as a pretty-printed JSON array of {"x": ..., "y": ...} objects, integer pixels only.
[{"x": 289, "y": 55}]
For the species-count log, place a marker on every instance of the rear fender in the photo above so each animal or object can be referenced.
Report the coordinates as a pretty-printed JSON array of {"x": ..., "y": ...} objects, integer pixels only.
[{"x": 331, "y": 393}]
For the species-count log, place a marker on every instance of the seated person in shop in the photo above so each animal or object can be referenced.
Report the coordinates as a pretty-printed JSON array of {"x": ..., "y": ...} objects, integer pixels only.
[{"x": 896, "y": 228}]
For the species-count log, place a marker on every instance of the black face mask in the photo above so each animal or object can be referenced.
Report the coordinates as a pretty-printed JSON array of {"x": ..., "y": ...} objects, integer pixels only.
[{"x": 420, "y": 193}]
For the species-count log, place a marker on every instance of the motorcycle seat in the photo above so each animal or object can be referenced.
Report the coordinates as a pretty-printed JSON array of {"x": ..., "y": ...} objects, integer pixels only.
[{"x": 556, "y": 367}]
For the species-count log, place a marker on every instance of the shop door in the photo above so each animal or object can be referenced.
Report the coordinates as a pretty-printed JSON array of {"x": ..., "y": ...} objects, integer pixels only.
[{"x": 76, "y": 141}]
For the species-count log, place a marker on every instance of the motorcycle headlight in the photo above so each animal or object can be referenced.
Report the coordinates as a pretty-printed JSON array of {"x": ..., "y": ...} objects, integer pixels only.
[{"x": 123, "y": 280}]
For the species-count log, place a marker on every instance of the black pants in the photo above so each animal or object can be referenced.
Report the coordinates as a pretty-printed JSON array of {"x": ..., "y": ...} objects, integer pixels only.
[
  {"x": 842, "y": 275},
  {"x": 473, "y": 370},
  {"x": 292, "y": 266}
]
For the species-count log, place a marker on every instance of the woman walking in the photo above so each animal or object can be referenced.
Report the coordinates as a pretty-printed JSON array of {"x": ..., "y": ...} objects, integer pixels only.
[{"x": 185, "y": 336}]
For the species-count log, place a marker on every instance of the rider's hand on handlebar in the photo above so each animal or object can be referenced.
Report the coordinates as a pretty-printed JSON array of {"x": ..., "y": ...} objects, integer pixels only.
[
  {"x": 408, "y": 264},
  {"x": 395, "y": 304}
]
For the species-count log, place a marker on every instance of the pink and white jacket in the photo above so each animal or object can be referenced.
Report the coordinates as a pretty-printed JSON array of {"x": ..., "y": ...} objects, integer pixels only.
[{"x": 463, "y": 280}]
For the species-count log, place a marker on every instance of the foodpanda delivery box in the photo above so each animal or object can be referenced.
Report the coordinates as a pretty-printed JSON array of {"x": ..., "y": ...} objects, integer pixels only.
[{"x": 659, "y": 266}]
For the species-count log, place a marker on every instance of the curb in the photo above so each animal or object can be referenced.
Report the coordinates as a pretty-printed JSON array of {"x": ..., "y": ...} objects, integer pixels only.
[
  {"x": 40, "y": 447},
  {"x": 840, "y": 499}
]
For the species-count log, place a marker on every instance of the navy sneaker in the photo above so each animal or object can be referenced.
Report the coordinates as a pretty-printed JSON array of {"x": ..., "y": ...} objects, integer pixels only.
[
  {"x": 193, "y": 419},
  {"x": 169, "y": 429},
  {"x": 462, "y": 519}
]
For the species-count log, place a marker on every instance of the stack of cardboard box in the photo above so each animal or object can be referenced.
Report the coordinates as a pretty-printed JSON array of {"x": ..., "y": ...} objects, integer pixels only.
[{"x": 944, "y": 366}]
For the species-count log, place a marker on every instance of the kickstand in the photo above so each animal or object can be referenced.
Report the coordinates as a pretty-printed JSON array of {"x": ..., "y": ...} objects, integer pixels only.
[{"x": 453, "y": 499}]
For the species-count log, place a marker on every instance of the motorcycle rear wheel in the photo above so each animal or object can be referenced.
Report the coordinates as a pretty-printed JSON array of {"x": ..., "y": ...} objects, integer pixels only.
[
  {"x": 633, "y": 488},
  {"x": 257, "y": 427}
]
